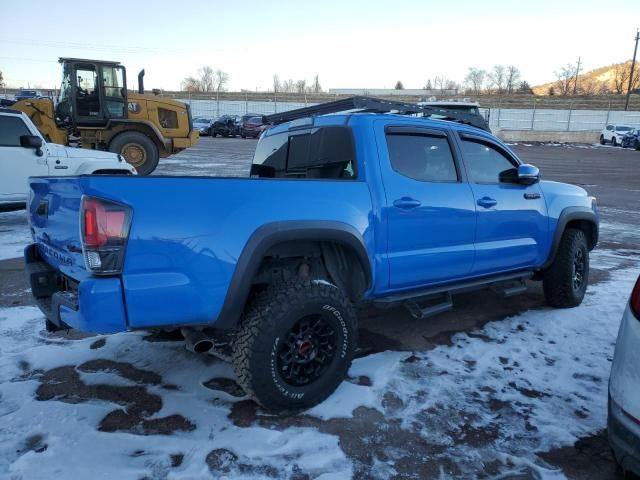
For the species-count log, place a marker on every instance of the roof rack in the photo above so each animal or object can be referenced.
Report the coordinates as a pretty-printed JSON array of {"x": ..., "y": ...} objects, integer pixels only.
[{"x": 363, "y": 104}]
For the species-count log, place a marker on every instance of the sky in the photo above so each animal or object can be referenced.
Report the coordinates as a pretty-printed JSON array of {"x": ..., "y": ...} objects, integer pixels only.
[{"x": 369, "y": 44}]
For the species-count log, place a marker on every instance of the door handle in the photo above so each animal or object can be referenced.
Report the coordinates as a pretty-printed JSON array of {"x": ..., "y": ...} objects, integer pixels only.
[
  {"x": 487, "y": 202},
  {"x": 406, "y": 203}
]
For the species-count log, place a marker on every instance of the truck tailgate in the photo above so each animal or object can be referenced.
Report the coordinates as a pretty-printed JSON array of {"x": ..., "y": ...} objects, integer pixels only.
[{"x": 54, "y": 218}]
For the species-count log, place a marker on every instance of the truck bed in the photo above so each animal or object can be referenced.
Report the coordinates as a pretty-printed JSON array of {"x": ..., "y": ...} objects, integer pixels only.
[{"x": 186, "y": 236}]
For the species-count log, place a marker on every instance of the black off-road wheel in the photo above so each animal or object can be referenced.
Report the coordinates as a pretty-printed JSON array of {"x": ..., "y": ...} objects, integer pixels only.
[
  {"x": 138, "y": 150},
  {"x": 294, "y": 345},
  {"x": 602, "y": 140},
  {"x": 565, "y": 281}
]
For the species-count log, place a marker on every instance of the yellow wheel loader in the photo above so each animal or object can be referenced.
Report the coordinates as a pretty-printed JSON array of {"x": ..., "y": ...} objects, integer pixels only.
[{"x": 95, "y": 110}]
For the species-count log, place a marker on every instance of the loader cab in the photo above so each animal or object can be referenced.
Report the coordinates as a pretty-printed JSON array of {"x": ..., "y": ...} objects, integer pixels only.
[{"x": 91, "y": 93}]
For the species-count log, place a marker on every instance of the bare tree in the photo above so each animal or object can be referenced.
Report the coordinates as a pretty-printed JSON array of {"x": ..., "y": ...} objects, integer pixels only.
[
  {"x": 588, "y": 86},
  {"x": 512, "y": 77},
  {"x": 428, "y": 85},
  {"x": 399, "y": 85},
  {"x": 440, "y": 82},
  {"x": 474, "y": 80},
  {"x": 1, "y": 80},
  {"x": 276, "y": 83},
  {"x": 524, "y": 87},
  {"x": 206, "y": 78},
  {"x": 497, "y": 79},
  {"x": 621, "y": 75},
  {"x": 565, "y": 77},
  {"x": 220, "y": 80},
  {"x": 301, "y": 86},
  {"x": 450, "y": 85},
  {"x": 316, "y": 85},
  {"x": 289, "y": 86},
  {"x": 191, "y": 84}
]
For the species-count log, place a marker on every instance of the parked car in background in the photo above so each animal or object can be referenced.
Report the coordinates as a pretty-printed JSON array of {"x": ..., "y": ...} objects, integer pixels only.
[
  {"x": 631, "y": 139},
  {"x": 202, "y": 125},
  {"x": 24, "y": 153},
  {"x": 226, "y": 126},
  {"x": 613, "y": 134},
  {"x": 24, "y": 94},
  {"x": 252, "y": 127},
  {"x": 623, "y": 426}
]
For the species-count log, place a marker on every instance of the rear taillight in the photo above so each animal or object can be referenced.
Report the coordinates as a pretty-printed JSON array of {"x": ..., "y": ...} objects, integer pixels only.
[
  {"x": 105, "y": 228},
  {"x": 634, "y": 303}
]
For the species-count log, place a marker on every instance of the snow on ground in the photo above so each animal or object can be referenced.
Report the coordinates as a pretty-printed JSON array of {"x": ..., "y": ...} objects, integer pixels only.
[
  {"x": 14, "y": 234},
  {"x": 485, "y": 403}
]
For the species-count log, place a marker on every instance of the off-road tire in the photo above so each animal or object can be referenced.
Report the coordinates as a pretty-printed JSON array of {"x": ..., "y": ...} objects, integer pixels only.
[
  {"x": 151, "y": 150},
  {"x": 266, "y": 324},
  {"x": 558, "y": 279},
  {"x": 614, "y": 142},
  {"x": 602, "y": 142}
]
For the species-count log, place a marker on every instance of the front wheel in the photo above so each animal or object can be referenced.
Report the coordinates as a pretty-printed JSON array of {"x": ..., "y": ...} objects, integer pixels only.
[
  {"x": 601, "y": 139},
  {"x": 295, "y": 344},
  {"x": 565, "y": 281},
  {"x": 614, "y": 142},
  {"x": 138, "y": 150}
]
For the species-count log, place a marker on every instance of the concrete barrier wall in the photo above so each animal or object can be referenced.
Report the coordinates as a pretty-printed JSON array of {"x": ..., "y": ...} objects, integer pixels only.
[{"x": 546, "y": 136}]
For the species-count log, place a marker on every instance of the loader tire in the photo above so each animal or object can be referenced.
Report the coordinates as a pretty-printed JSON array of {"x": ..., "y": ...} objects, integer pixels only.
[
  {"x": 295, "y": 344},
  {"x": 138, "y": 150}
]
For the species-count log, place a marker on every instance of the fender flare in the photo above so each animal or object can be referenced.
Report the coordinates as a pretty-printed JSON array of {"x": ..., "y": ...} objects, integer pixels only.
[
  {"x": 270, "y": 235},
  {"x": 158, "y": 137},
  {"x": 570, "y": 214}
]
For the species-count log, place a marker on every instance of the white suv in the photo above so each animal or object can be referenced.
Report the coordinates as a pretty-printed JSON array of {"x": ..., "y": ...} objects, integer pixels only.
[
  {"x": 24, "y": 153},
  {"x": 613, "y": 134}
]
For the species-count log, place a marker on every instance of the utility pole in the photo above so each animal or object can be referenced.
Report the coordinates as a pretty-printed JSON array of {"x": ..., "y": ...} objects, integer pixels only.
[
  {"x": 575, "y": 83},
  {"x": 633, "y": 64}
]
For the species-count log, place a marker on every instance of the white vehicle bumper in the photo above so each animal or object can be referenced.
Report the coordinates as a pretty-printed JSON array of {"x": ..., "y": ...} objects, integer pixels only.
[{"x": 624, "y": 395}]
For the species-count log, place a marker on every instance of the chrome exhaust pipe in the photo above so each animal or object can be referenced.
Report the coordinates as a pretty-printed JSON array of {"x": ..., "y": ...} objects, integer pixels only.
[{"x": 196, "y": 341}]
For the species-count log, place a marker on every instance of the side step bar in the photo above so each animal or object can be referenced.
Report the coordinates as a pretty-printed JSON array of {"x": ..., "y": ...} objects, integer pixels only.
[
  {"x": 417, "y": 312},
  {"x": 507, "y": 285}
]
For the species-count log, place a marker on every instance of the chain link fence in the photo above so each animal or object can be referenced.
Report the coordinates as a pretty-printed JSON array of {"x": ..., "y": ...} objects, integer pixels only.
[
  {"x": 499, "y": 118},
  {"x": 559, "y": 120}
]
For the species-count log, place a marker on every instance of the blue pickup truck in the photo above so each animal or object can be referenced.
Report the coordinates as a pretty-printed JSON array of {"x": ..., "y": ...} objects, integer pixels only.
[{"x": 338, "y": 210}]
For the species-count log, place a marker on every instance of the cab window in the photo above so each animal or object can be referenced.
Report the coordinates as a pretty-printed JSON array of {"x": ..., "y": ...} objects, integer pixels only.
[
  {"x": 11, "y": 129},
  {"x": 422, "y": 157},
  {"x": 484, "y": 162}
]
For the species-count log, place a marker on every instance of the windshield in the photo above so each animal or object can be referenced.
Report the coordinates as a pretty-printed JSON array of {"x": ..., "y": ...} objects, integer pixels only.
[
  {"x": 623, "y": 129},
  {"x": 28, "y": 92},
  {"x": 201, "y": 120}
]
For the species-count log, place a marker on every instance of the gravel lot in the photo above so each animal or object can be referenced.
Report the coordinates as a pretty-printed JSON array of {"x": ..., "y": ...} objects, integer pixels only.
[{"x": 496, "y": 388}]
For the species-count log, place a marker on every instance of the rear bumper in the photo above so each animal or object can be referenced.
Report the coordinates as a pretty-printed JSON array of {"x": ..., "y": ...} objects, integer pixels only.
[
  {"x": 624, "y": 438},
  {"x": 94, "y": 305}
]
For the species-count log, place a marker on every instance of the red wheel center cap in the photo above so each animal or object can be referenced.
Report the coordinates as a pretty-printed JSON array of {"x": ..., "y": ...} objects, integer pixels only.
[{"x": 304, "y": 347}]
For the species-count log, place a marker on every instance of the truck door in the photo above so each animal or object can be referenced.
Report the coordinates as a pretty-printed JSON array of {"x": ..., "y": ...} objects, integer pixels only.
[
  {"x": 512, "y": 223},
  {"x": 16, "y": 162},
  {"x": 430, "y": 213}
]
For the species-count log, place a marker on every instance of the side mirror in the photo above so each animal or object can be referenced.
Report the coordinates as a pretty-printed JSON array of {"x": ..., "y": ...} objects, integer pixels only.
[
  {"x": 528, "y": 174},
  {"x": 32, "y": 141}
]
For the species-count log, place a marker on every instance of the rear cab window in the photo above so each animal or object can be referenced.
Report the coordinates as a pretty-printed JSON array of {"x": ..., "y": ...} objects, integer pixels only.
[
  {"x": 423, "y": 156},
  {"x": 325, "y": 152}
]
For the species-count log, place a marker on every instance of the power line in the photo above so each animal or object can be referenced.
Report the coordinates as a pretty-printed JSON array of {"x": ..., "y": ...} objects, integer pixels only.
[
  {"x": 633, "y": 66},
  {"x": 98, "y": 47}
]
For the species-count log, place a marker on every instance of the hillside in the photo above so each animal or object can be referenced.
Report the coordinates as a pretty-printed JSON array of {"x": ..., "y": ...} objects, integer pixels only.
[{"x": 609, "y": 79}]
